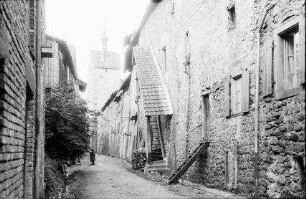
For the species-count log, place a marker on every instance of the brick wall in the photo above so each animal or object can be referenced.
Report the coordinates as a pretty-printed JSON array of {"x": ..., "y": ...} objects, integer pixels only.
[
  {"x": 220, "y": 49},
  {"x": 30, "y": 147},
  {"x": 17, "y": 89}
]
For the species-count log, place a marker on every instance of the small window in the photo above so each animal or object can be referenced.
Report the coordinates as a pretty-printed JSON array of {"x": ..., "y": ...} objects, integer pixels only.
[
  {"x": 206, "y": 116},
  {"x": 232, "y": 17},
  {"x": 164, "y": 59},
  {"x": 187, "y": 46},
  {"x": 236, "y": 96}
]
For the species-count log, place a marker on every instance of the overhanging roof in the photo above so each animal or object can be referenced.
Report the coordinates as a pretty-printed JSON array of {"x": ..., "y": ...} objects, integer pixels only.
[
  {"x": 68, "y": 61},
  {"x": 156, "y": 100}
]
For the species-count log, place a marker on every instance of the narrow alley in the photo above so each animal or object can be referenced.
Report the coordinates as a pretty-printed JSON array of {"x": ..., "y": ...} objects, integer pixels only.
[
  {"x": 110, "y": 178},
  {"x": 170, "y": 99}
]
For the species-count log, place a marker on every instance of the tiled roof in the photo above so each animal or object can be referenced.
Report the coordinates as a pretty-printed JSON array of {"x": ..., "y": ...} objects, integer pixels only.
[
  {"x": 152, "y": 89},
  {"x": 112, "y": 60}
]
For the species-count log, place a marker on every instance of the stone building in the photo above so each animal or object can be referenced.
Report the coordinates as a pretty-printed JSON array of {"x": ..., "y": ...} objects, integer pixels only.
[
  {"x": 104, "y": 76},
  {"x": 235, "y": 75},
  {"x": 21, "y": 99}
]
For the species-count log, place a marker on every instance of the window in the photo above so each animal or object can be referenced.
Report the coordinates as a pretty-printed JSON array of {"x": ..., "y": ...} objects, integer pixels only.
[
  {"x": 237, "y": 94},
  {"x": 187, "y": 46},
  {"x": 236, "y": 97},
  {"x": 290, "y": 66},
  {"x": 232, "y": 16},
  {"x": 289, "y": 55},
  {"x": 206, "y": 116},
  {"x": 164, "y": 58}
]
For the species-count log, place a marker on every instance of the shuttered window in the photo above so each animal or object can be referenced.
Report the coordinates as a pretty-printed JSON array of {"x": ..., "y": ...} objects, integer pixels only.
[{"x": 237, "y": 94}]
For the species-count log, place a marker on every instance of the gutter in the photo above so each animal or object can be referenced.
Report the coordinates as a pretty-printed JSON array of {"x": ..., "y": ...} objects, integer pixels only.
[{"x": 256, "y": 170}]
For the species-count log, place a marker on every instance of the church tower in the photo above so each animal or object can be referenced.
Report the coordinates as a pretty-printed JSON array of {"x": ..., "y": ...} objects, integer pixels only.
[
  {"x": 104, "y": 66},
  {"x": 104, "y": 40}
]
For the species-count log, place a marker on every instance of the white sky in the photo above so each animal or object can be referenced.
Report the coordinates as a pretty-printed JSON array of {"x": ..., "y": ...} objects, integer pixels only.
[{"x": 81, "y": 23}]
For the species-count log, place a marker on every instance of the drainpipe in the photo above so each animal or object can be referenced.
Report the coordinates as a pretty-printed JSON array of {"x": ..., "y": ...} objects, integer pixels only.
[
  {"x": 256, "y": 173},
  {"x": 38, "y": 99},
  {"x": 188, "y": 107}
]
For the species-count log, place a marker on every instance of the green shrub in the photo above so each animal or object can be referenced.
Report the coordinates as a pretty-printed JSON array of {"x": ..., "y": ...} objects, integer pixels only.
[{"x": 66, "y": 124}]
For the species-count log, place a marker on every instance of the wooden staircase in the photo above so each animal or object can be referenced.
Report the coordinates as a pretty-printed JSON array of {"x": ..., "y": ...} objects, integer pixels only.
[
  {"x": 156, "y": 152},
  {"x": 187, "y": 163}
]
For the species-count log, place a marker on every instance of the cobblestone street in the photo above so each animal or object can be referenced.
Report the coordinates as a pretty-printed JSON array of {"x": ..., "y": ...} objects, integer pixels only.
[{"x": 110, "y": 179}]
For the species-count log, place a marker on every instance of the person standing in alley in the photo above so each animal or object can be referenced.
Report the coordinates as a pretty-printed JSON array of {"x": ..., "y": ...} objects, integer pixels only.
[{"x": 92, "y": 157}]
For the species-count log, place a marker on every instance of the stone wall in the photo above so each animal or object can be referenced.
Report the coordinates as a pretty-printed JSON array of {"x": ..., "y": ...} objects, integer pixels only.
[
  {"x": 282, "y": 144},
  {"x": 17, "y": 103},
  {"x": 223, "y": 48}
]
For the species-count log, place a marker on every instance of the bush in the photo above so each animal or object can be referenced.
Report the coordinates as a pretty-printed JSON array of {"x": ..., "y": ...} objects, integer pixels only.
[{"x": 66, "y": 124}]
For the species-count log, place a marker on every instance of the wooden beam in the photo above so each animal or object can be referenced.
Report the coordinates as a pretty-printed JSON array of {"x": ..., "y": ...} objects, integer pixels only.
[
  {"x": 161, "y": 138},
  {"x": 187, "y": 163},
  {"x": 149, "y": 140}
]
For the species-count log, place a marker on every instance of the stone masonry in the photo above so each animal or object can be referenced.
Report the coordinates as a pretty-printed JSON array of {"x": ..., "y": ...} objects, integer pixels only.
[
  {"x": 209, "y": 57},
  {"x": 19, "y": 177},
  {"x": 219, "y": 39}
]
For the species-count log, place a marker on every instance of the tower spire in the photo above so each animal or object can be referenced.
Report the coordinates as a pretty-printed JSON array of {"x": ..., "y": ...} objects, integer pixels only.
[{"x": 104, "y": 40}]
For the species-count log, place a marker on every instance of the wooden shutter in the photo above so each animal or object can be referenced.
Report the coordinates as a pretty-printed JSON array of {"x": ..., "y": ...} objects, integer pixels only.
[
  {"x": 267, "y": 67},
  {"x": 227, "y": 92},
  {"x": 245, "y": 91},
  {"x": 278, "y": 64},
  {"x": 302, "y": 50}
]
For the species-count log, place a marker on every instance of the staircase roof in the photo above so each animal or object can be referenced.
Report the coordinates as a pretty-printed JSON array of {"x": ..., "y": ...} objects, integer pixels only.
[{"x": 155, "y": 96}]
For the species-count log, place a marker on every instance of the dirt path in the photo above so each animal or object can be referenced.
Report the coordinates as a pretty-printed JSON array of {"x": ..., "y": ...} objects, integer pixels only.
[{"x": 109, "y": 179}]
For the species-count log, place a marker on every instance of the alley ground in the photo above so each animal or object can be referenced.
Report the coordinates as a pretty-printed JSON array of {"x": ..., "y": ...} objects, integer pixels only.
[{"x": 110, "y": 178}]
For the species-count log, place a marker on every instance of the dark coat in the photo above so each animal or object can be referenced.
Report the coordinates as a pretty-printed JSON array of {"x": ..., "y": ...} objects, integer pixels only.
[{"x": 92, "y": 156}]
